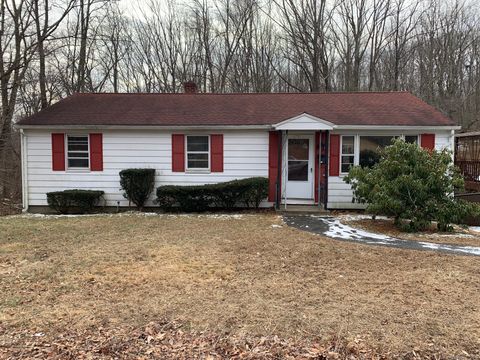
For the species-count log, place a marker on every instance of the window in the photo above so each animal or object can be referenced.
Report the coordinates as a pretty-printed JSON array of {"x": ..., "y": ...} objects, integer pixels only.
[
  {"x": 348, "y": 151},
  {"x": 411, "y": 139},
  {"x": 370, "y": 147},
  {"x": 77, "y": 152},
  {"x": 198, "y": 152}
]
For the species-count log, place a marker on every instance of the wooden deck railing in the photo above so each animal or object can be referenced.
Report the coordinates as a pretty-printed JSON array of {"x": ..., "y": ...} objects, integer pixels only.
[{"x": 469, "y": 169}]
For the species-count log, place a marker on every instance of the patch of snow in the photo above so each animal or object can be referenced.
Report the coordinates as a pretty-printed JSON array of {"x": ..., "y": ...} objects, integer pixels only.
[
  {"x": 353, "y": 217},
  {"x": 337, "y": 230},
  {"x": 276, "y": 226},
  {"x": 475, "y": 228},
  {"x": 470, "y": 250}
]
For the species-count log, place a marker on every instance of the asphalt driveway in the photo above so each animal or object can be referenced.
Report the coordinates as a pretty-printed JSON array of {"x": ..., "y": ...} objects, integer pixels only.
[{"x": 334, "y": 229}]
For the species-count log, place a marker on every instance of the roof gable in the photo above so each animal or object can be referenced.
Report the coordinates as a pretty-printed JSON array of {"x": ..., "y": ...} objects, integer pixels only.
[{"x": 304, "y": 122}]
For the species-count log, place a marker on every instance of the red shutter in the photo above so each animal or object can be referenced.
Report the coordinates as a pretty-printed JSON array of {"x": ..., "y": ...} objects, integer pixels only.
[
  {"x": 273, "y": 143},
  {"x": 96, "y": 152},
  {"x": 317, "y": 160},
  {"x": 178, "y": 152},
  {"x": 428, "y": 141},
  {"x": 216, "y": 153},
  {"x": 334, "y": 155},
  {"x": 58, "y": 152}
]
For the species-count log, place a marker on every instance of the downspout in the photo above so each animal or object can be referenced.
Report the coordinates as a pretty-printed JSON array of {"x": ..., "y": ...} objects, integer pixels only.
[
  {"x": 327, "y": 155},
  {"x": 452, "y": 143},
  {"x": 319, "y": 168},
  {"x": 286, "y": 167},
  {"x": 279, "y": 173},
  {"x": 23, "y": 157}
]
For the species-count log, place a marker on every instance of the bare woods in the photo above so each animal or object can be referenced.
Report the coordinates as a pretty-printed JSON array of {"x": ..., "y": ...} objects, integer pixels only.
[{"x": 53, "y": 48}]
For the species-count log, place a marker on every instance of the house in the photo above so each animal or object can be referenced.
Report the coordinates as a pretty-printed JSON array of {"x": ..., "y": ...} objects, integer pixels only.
[{"x": 303, "y": 142}]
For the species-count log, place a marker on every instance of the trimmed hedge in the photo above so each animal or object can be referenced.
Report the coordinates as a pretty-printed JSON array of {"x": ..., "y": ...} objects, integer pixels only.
[
  {"x": 73, "y": 201},
  {"x": 137, "y": 185},
  {"x": 227, "y": 195}
]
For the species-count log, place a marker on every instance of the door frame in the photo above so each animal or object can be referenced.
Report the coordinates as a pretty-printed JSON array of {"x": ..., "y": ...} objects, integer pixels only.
[{"x": 311, "y": 165}]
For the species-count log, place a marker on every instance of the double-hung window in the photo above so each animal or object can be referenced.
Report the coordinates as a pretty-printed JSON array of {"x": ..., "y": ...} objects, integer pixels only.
[
  {"x": 198, "y": 152},
  {"x": 78, "y": 152},
  {"x": 348, "y": 153}
]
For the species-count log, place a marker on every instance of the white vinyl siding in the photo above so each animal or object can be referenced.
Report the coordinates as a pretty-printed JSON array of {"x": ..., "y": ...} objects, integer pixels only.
[{"x": 245, "y": 155}]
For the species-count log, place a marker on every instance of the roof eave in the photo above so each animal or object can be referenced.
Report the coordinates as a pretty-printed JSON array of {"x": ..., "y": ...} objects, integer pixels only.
[
  {"x": 145, "y": 127},
  {"x": 231, "y": 127}
]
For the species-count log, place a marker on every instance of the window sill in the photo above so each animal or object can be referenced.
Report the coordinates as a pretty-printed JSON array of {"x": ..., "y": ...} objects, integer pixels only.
[
  {"x": 197, "y": 171},
  {"x": 77, "y": 170}
]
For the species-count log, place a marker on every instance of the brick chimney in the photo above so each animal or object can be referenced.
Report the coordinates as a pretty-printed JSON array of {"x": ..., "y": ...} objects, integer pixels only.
[{"x": 190, "y": 87}]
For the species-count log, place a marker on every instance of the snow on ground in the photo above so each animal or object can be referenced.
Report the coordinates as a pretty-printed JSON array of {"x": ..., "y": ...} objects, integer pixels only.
[
  {"x": 353, "y": 217},
  {"x": 337, "y": 230},
  {"x": 475, "y": 228}
]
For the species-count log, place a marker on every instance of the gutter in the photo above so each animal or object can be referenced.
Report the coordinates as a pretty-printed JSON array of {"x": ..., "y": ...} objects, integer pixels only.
[
  {"x": 232, "y": 127},
  {"x": 146, "y": 127}
]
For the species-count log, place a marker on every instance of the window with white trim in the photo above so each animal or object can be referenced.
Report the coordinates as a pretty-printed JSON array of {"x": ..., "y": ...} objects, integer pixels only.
[
  {"x": 198, "y": 152},
  {"x": 78, "y": 154},
  {"x": 347, "y": 157}
]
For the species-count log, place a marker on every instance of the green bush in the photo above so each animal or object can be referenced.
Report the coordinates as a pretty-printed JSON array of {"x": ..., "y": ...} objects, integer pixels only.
[
  {"x": 412, "y": 185},
  {"x": 74, "y": 201},
  {"x": 137, "y": 185},
  {"x": 227, "y": 195}
]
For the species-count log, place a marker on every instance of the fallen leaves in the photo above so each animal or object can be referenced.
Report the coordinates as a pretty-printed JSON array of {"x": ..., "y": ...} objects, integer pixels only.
[{"x": 168, "y": 340}]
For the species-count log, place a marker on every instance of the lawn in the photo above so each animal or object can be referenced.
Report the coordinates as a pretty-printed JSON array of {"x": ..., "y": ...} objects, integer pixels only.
[{"x": 68, "y": 285}]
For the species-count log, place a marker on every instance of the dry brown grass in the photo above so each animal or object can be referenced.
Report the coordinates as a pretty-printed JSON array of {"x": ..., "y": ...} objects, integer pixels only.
[
  {"x": 459, "y": 236},
  {"x": 232, "y": 275}
]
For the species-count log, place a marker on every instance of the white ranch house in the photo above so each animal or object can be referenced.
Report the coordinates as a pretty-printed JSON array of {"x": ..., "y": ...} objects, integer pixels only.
[{"x": 304, "y": 143}]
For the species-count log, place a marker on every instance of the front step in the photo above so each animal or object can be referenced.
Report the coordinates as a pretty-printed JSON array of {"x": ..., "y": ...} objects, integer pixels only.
[{"x": 302, "y": 209}]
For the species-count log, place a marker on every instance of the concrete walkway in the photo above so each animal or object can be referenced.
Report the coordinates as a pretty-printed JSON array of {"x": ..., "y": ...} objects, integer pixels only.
[{"x": 333, "y": 228}]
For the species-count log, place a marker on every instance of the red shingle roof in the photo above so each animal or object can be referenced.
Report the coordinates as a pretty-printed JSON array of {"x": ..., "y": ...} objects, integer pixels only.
[{"x": 361, "y": 108}]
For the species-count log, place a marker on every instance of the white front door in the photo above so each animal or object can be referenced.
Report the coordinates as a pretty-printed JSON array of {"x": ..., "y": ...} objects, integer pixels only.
[{"x": 299, "y": 184}]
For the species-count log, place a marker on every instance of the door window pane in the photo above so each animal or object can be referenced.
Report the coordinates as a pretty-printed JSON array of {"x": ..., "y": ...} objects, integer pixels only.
[
  {"x": 297, "y": 149},
  {"x": 298, "y": 170},
  {"x": 370, "y": 147},
  {"x": 298, "y": 153}
]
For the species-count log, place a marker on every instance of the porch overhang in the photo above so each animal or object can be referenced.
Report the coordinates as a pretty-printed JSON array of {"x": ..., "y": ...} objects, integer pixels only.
[{"x": 304, "y": 122}]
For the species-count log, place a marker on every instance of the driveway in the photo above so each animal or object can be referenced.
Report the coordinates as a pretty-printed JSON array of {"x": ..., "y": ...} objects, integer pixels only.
[{"x": 334, "y": 229}]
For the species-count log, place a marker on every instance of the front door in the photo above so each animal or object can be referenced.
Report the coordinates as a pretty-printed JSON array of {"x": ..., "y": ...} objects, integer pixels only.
[{"x": 299, "y": 184}]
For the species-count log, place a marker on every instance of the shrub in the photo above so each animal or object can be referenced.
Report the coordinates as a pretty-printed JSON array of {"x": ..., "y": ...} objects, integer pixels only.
[
  {"x": 74, "y": 201},
  {"x": 412, "y": 185},
  {"x": 227, "y": 195},
  {"x": 137, "y": 185}
]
